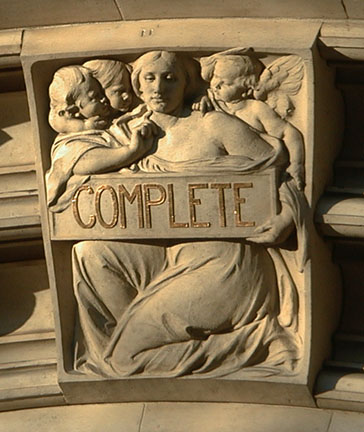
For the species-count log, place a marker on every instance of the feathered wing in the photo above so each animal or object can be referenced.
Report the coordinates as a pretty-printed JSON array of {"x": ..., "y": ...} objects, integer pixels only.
[{"x": 280, "y": 80}]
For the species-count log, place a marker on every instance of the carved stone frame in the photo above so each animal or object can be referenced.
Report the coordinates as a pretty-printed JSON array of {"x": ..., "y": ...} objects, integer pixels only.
[{"x": 45, "y": 50}]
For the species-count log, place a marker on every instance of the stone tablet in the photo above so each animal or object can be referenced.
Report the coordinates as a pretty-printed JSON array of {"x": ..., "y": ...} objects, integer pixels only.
[{"x": 116, "y": 206}]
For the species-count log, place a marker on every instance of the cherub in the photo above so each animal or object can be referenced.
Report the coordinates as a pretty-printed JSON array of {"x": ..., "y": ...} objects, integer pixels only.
[
  {"x": 81, "y": 113},
  {"x": 114, "y": 76},
  {"x": 77, "y": 101},
  {"x": 236, "y": 78}
]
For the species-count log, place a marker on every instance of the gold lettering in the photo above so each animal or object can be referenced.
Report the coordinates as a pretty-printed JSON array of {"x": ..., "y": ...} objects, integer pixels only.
[
  {"x": 114, "y": 203},
  {"x": 193, "y": 202},
  {"x": 76, "y": 212},
  {"x": 222, "y": 213},
  {"x": 172, "y": 216},
  {"x": 149, "y": 203},
  {"x": 136, "y": 193},
  {"x": 238, "y": 201}
]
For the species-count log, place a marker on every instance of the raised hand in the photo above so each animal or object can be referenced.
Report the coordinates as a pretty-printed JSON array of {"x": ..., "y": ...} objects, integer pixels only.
[
  {"x": 203, "y": 104},
  {"x": 142, "y": 134}
]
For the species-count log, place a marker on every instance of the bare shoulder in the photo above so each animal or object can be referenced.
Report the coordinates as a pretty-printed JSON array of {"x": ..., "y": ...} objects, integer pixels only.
[
  {"x": 219, "y": 119},
  {"x": 263, "y": 109},
  {"x": 260, "y": 106}
]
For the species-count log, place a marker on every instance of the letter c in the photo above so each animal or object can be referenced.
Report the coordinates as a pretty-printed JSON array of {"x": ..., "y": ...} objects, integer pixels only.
[{"x": 76, "y": 212}]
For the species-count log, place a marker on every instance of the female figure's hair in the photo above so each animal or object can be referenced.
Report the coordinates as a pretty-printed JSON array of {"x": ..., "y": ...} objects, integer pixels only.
[
  {"x": 64, "y": 88},
  {"x": 108, "y": 72},
  {"x": 188, "y": 66}
]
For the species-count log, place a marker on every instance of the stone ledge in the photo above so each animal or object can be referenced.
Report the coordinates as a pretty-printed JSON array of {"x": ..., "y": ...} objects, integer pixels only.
[
  {"x": 30, "y": 347},
  {"x": 130, "y": 37},
  {"x": 29, "y": 384},
  {"x": 181, "y": 417},
  {"x": 340, "y": 388},
  {"x": 10, "y": 42},
  {"x": 17, "y": 178},
  {"x": 31, "y": 397},
  {"x": 341, "y": 213},
  {"x": 22, "y": 232},
  {"x": 342, "y": 40}
]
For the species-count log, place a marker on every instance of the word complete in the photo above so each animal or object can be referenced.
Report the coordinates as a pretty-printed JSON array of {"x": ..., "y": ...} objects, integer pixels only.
[
  {"x": 167, "y": 206},
  {"x": 141, "y": 197}
]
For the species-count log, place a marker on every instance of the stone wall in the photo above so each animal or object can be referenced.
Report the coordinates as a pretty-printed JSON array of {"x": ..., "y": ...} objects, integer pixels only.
[{"x": 28, "y": 356}]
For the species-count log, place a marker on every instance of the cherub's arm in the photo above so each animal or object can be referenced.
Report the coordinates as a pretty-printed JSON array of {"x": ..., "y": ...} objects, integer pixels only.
[
  {"x": 105, "y": 159},
  {"x": 292, "y": 138}
]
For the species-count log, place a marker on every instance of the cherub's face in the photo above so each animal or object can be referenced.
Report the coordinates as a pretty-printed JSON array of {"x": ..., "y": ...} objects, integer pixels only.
[
  {"x": 91, "y": 100},
  {"x": 162, "y": 86},
  {"x": 119, "y": 94},
  {"x": 226, "y": 83}
]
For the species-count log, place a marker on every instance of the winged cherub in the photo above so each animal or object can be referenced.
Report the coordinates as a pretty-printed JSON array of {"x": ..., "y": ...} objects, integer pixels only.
[{"x": 241, "y": 86}]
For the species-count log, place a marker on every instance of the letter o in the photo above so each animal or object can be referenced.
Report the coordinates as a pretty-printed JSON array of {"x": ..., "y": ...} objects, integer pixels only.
[{"x": 115, "y": 207}]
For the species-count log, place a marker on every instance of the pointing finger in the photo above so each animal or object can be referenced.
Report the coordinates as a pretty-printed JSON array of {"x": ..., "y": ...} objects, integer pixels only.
[{"x": 147, "y": 115}]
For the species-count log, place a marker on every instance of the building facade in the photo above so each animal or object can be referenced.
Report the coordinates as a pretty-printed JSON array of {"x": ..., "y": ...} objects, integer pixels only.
[{"x": 319, "y": 47}]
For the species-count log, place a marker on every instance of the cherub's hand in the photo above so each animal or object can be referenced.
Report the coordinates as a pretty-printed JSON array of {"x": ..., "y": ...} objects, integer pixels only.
[
  {"x": 142, "y": 135},
  {"x": 203, "y": 104},
  {"x": 297, "y": 172},
  {"x": 95, "y": 122},
  {"x": 274, "y": 231}
]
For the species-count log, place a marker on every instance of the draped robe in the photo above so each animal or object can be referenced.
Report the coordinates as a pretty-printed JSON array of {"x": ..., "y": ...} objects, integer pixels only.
[{"x": 208, "y": 308}]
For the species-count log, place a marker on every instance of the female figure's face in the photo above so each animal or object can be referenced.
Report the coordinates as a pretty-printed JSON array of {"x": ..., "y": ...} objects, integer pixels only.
[
  {"x": 119, "y": 94},
  {"x": 162, "y": 85}
]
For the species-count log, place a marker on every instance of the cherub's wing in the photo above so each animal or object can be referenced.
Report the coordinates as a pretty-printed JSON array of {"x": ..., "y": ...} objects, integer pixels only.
[
  {"x": 283, "y": 78},
  {"x": 285, "y": 73}
]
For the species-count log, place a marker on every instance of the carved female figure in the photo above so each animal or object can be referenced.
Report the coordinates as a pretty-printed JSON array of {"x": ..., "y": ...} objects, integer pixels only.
[{"x": 193, "y": 307}]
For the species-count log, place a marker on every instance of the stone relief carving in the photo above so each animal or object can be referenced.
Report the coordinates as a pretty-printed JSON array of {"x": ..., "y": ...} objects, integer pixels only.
[
  {"x": 262, "y": 99},
  {"x": 179, "y": 307}
]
